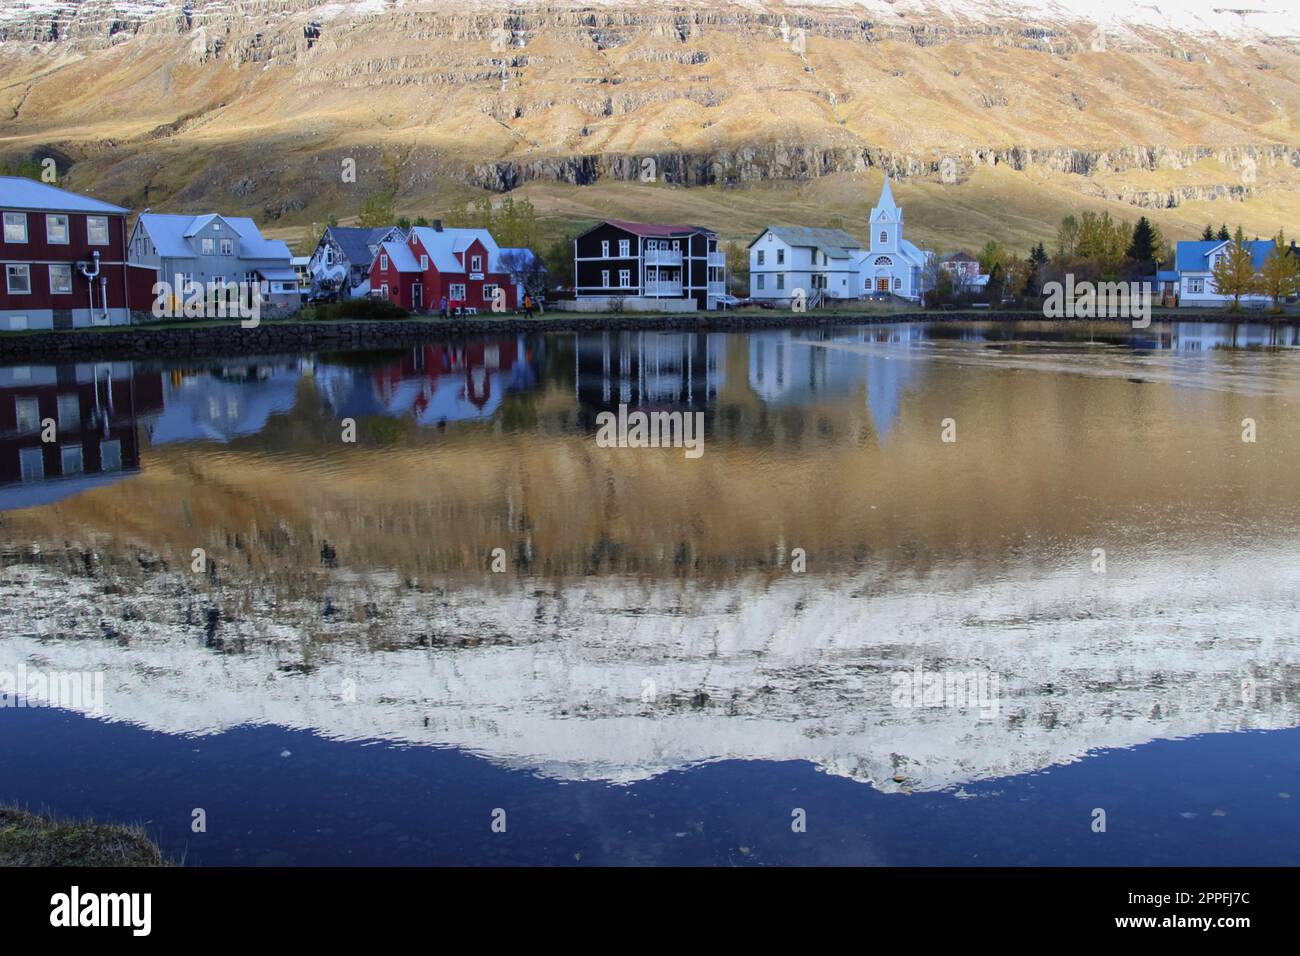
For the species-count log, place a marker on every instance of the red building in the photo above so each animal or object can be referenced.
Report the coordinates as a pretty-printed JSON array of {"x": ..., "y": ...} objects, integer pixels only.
[
  {"x": 462, "y": 264},
  {"x": 63, "y": 258}
]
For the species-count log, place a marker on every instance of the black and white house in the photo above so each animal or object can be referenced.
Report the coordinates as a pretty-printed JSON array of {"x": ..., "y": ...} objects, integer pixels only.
[
  {"x": 649, "y": 265},
  {"x": 341, "y": 260}
]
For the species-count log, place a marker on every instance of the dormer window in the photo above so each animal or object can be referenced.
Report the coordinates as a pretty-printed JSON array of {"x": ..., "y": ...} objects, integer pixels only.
[{"x": 476, "y": 264}]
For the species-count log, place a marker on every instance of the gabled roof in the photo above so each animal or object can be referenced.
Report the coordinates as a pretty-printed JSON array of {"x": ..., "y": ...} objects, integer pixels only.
[
  {"x": 18, "y": 192},
  {"x": 654, "y": 230},
  {"x": 355, "y": 241},
  {"x": 959, "y": 257},
  {"x": 836, "y": 243},
  {"x": 400, "y": 256},
  {"x": 441, "y": 245},
  {"x": 1195, "y": 256},
  {"x": 168, "y": 234}
]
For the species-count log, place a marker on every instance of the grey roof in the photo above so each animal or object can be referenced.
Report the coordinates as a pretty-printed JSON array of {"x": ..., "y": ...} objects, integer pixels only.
[
  {"x": 17, "y": 192},
  {"x": 169, "y": 232},
  {"x": 355, "y": 241},
  {"x": 836, "y": 243}
]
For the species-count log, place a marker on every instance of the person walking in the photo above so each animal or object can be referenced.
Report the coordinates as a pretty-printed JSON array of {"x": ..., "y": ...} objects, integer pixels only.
[
  {"x": 528, "y": 306},
  {"x": 444, "y": 307}
]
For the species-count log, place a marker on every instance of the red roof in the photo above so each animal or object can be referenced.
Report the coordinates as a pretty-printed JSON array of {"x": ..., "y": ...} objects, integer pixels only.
[{"x": 652, "y": 229}]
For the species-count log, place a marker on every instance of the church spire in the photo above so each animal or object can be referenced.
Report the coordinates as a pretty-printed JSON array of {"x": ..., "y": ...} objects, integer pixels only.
[{"x": 886, "y": 203}]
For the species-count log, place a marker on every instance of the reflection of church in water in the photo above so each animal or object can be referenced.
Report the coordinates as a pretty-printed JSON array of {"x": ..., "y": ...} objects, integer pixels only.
[{"x": 89, "y": 412}]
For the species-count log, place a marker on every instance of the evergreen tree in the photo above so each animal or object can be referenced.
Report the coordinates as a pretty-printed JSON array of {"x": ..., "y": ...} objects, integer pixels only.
[
  {"x": 1145, "y": 245},
  {"x": 1208, "y": 235},
  {"x": 1223, "y": 235},
  {"x": 1037, "y": 266}
]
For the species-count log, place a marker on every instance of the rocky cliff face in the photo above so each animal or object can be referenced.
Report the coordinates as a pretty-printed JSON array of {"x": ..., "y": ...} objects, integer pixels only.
[{"x": 257, "y": 104}]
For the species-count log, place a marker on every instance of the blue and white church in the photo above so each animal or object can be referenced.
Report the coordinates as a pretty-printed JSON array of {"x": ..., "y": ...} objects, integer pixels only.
[{"x": 892, "y": 265}]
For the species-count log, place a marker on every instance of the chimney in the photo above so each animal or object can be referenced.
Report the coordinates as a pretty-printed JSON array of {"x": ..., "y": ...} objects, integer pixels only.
[{"x": 437, "y": 225}]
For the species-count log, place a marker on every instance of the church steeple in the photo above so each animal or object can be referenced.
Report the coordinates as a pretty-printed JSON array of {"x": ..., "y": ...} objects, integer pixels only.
[{"x": 886, "y": 222}]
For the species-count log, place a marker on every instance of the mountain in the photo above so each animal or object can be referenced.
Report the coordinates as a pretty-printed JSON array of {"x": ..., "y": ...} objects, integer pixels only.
[{"x": 996, "y": 117}]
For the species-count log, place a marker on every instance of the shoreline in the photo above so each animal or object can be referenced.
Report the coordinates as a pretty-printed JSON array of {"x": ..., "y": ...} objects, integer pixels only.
[{"x": 213, "y": 340}]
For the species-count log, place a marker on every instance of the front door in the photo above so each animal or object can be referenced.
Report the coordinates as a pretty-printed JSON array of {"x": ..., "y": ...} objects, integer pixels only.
[
  {"x": 882, "y": 285},
  {"x": 417, "y": 297}
]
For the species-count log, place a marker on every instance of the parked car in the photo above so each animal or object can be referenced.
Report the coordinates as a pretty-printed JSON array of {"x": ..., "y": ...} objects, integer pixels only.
[{"x": 728, "y": 301}]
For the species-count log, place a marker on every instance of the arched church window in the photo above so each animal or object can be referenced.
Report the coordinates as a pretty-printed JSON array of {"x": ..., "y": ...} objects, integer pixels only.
[
  {"x": 884, "y": 237},
  {"x": 884, "y": 261}
]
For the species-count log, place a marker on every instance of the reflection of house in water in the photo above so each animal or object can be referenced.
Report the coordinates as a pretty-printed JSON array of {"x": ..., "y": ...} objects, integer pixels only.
[
  {"x": 649, "y": 370},
  {"x": 94, "y": 408},
  {"x": 1204, "y": 336},
  {"x": 795, "y": 368},
  {"x": 459, "y": 381},
  {"x": 226, "y": 403}
]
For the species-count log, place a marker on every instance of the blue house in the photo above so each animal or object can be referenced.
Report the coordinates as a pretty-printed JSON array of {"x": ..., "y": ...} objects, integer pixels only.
[{"x": 1194, "y": 266}]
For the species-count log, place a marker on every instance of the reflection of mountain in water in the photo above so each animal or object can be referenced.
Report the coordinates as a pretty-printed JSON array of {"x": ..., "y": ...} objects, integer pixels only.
[
  {"x": 618, "y": 679},
  {"x": 94, "y": 408}
]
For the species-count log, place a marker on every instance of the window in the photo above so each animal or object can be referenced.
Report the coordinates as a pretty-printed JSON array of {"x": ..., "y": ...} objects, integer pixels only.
[
  {"x": 489, "y": 292},
  {"x": 60, "y": 278},
  {"x": 884, "y": 237},
  {"x": 624, "y": 247},
  {"x": 604, "y": 278},
  {"x": 898, "y": 283},
  {"x": 383, "y": 262},
  {"x": 625, "y": 278},
  {"x": 760, "y": 281},
  {"x": 70, "y": 456},
  {"x": 19, "y": 279},
  {"x": 456, "y": 292},
  {"x": 604, "y": 248},
  {"x": 208, "y": 245},
  {"x": 97, "y": 230},
  {"x": 110, "y": 455},
  {"x": 227, "y": 247},
  {"x": 15, "y": 227},
  {"x": 31, "y": 462},
  {"x": 56, "y": 229},
  {"x": 476, "y": 264},
  {"x": 677, "y": 246},
  {"x": 1196, "y": 286},
  {"x": 424, "y": 263},
  {"x": 69, "y": 410},
  {"x": 760, "y": 257},
  {"x": 780, "y": 257},
  {"x": 780, "y": 280},
  {"x": 652, "y": 245},
  {"x": 27, "y": 413}
]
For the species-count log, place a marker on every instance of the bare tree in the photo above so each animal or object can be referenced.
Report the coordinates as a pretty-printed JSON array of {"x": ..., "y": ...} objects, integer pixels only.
[{"x": 526, "y": 269}]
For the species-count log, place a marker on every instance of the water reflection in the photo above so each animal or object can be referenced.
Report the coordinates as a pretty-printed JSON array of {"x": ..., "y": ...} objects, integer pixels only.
[{"x": 649, "y": 619}]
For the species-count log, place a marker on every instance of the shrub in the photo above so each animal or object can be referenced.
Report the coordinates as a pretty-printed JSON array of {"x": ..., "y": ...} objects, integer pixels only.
[{"x": 368, "y": 307}]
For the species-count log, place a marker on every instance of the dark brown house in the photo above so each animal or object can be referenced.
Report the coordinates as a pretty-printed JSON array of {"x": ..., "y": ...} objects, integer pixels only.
[{"x": 619, "y": 259}]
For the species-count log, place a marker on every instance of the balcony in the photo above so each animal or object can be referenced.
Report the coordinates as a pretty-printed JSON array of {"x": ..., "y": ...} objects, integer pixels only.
[
  {"x": 717, "y": 288},
  {"x": 663, "y": 257},
  {"x": 718, "y": 259},
  {"x": 661, "y": 288}
]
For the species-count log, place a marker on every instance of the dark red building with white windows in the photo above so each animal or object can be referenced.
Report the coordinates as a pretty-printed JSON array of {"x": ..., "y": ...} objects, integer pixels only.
[
  {"x": 63, "y": 259},
  {"x": 465, "y": 265}
]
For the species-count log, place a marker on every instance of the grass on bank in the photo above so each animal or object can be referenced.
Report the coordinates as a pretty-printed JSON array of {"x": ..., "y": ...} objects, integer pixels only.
[{"x": 29, "y": 839}]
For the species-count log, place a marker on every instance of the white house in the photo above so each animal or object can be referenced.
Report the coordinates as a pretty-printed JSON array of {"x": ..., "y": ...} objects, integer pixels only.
[
  {"x": 1194, "y": 265},
  {"x": 785, "y": 258},
  {"x": 215, "y": 248},
  {"x": 892, "y": 265}
]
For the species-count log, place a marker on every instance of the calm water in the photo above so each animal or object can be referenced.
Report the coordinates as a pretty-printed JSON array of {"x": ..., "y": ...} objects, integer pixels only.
[{"x": 835, "y": 637}]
